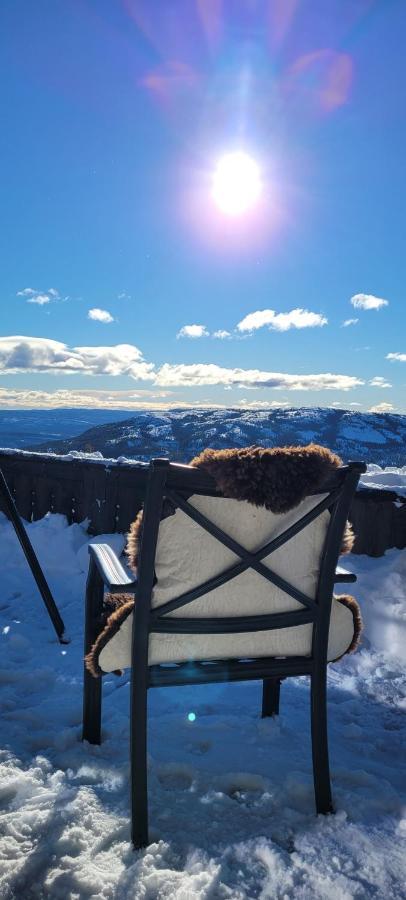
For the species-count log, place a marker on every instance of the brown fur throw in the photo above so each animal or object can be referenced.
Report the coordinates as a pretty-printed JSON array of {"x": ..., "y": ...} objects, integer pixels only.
[
  {"x": 277, "y": 478},
  {"x": 352, "y": 604},
  {"x": 120, "y": 606}
]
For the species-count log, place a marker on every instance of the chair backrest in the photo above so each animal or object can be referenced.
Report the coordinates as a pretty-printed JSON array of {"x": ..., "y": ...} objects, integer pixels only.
[{"x": 227, "y": 570}]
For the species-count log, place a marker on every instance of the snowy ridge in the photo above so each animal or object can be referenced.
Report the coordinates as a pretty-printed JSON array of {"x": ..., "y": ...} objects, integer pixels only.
[
  {"x": 181, "y": 434},
  {"x": 231, "y": 795}
]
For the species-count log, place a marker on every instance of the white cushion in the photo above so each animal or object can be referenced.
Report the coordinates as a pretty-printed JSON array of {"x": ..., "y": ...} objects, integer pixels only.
[{"x": 187, "y": 556}]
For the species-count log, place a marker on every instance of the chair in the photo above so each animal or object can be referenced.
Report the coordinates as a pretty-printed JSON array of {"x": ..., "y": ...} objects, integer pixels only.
[{"x": 253, "y": 615}]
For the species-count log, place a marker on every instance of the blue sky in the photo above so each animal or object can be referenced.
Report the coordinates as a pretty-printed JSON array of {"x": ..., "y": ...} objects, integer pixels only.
[{"x": 114, "y": 117}]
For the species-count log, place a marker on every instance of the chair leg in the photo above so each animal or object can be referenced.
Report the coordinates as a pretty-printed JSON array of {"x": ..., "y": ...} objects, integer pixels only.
[
  {"x": 270, "y": 696},
  {"x": 138, "y": 753},
  {"x": 321, "y": 768},
  {"x": 92, "y": 687}
]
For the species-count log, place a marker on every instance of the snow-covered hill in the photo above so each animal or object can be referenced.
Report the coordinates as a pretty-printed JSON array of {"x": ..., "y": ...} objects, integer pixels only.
[{"x": 181, "y": 434}]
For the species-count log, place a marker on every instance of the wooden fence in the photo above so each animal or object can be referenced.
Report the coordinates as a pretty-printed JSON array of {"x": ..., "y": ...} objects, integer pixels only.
[{"x": 110, "y": 495}]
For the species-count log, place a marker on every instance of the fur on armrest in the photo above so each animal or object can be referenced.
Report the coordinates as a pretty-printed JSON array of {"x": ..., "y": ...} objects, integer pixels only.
[
  {"x": 122, "y": 605},
  {"x": 352, "y": 604}
]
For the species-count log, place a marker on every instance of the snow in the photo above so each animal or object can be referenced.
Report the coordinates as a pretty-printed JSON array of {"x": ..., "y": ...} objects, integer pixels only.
[
  {"x": 77, "y": 455},
  {"x": 231, "y": 796},
  {"x": 389, "y": 478}
]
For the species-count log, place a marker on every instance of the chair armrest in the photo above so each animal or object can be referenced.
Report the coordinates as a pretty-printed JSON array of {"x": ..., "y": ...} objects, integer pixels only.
[
  {"x": 112, "y": 572},
  {"x": 342, "y": 576}
]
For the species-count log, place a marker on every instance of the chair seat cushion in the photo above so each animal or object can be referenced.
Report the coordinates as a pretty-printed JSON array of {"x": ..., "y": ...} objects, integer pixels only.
[{"x": 112, "y": 650}]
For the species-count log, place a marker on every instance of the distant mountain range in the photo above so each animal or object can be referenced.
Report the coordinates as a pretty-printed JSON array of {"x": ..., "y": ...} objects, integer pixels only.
[
  {"x": 21, "y": 428},
  {"x": 182, "y": 433}
]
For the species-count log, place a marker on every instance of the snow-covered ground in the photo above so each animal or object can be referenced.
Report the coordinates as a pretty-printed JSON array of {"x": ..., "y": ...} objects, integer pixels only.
[
  {"x": 390, "y": 478},
  {"x": 231, "y": 796}
]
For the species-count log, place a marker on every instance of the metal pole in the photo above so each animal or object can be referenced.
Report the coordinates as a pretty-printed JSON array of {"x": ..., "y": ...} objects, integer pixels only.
[{"x": 32, "y": 560}]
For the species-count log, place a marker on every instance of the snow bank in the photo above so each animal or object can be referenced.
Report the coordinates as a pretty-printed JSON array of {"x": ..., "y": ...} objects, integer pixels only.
[
  {"x": 381, "y": 588},
  {"x": 231, "y": 796},
  {"x": 390, "y": 478},
  {"x": 75, "y": 455}
]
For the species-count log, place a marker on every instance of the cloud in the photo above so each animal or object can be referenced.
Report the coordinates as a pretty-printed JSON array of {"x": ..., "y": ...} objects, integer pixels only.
[
  {"x": 368, "y": 301},
  {"x": 264, "y": 404},
  {"x": 348, "y": 322},
  {"x": 296, "y": 318},
  {"x": 355, "y": 404},
  {"x": 26, "y": 354},
  {"x": 193, "y": 331},
  {"x": 221, "y": 334},
  {"x": 400, "y": 357},
  {"x": 198, "y": 331},
  {"x": 94, "y": 399},
  {"x": 382, "y": 408},
  {"x": 379, "y": 382},
  {"x": 100, "y": 315},
  {"x": 40, "y": 298},
  {"x": 209, "y": 374},
  {"x": 19, "y": 355}
]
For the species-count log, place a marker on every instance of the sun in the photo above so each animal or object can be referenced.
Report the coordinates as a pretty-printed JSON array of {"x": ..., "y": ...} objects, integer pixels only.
[{"x": 236, "y": 185}]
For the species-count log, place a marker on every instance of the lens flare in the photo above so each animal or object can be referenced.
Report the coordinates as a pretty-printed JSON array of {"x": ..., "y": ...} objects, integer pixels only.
[
  {"x": 236, "y": 185},
  {"x": 191, "y": 717}
]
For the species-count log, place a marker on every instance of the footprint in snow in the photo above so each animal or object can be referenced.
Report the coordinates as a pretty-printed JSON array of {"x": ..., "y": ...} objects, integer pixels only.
[
  {"x": 241, "y": 786},
  {"x": 199, "y": 748},
  {"x": 174, "y": 777}
]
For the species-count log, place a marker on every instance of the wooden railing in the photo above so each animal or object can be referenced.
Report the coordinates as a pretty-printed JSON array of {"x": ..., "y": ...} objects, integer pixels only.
[{"x": 109, "y": 495}]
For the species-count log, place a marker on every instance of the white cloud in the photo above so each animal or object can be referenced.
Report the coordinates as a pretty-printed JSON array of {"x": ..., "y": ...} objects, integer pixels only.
[
  {"x": 379, "y": 382},
  {"x": 382, "y": 408},
  {"x": 355, "y": 404},
  {"x": 296, "y": 318},
  {"x": 221, "y": 334},
  {"x": 27, "y": 354},
  {"x": 264, "y": 404},
  {"x": 198, "y": 331},
  {"x": 400, "y": 357},
  {"x": 94, "y": 399},
  {"x": 19, "y": 354},
  {"x": 368, "y": 301},
  {"x": 201, "y": 373},
  {"x": 100, "y": 315},
  {"x": 40, "y": 298},
  {"x": 193, "y": 331},
  {"x": 348, "y": 322}
]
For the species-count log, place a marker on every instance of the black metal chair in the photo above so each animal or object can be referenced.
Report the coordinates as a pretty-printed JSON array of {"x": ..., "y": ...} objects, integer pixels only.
[{"x": 176, "y": 483}]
